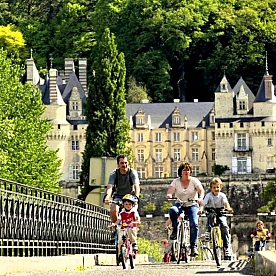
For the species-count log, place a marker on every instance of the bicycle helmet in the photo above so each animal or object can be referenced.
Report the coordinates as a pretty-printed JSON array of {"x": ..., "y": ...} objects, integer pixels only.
[{"x": 129, "y": 197}]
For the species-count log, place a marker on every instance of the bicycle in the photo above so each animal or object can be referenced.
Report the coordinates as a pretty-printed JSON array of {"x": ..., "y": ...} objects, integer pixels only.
[
  {"x": 216, "y": 235},
  {"x": 261, "y": 240},
  {"x": 169, "y": 246},
  {"x": 120, "y": 204},
  {"x": 181, "y": 247},
  {"x": 127, "y": 255},
  {"x": 206, "y": 253}
]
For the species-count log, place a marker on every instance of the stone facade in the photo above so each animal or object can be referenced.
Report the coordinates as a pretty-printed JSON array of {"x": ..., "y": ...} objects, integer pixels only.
[{"x": 237, "y": 129}]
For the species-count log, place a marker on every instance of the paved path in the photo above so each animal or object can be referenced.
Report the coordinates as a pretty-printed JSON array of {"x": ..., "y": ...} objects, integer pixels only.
[{"x": 198, "y": 268}]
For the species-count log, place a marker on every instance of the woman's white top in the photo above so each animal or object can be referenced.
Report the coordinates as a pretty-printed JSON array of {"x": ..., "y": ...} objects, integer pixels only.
[{"x": 186, "y": 193}]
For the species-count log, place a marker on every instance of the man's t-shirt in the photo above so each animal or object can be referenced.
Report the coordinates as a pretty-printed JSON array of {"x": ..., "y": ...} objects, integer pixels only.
[{"x": 124, "y": 186}]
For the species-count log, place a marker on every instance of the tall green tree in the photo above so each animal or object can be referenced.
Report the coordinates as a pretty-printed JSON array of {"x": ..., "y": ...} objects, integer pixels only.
[
  {"x": 108, "y": 128},
  {"x": 24, "y": 154}
]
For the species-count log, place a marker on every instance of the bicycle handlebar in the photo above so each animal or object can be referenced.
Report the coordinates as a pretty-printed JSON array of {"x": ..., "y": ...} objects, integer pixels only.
[
  {"x": 182, "y": 202},
  {"x": 217, "y": 211}
]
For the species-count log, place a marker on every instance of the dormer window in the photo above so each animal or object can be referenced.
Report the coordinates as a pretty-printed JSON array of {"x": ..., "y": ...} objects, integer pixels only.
[
  {"x": 140, "y": 118},
  {"x": 176, "y": 117},
  {"x": 75, "y": 104},
  {"x": 242, "y": 105}
]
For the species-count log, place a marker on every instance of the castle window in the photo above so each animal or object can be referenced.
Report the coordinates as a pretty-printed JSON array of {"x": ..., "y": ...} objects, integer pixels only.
[
  {"x": 242, "y": 105},
  {"x": 263, "y": 124},
  {"x": 140, "y": 137},
  {"x": 195, "y": 155},
  {"x": 213, "y": 154},
  {"x": 241, "y": 124},
  {"x": 241, "y": 141},
  {"x": 158, "y": 172},
  {"x": 141, "y": 155},
  {"x": 269, "y": 142},
  {"x": 218, "y": 125},
  {"x": 58, "y": 126},
  {"x": 213, "y": 136},
  {"x": 158, "y": 155},
  {"x": 242, "y": 165},
  {"x": 176, "y": 155},
  {"x": 270, "y": 162},
  {"x": 195, "y": 170},
  {"x": 230, "y": 125},
  {"x": 75, "y": 172},
  {"x": 140, "y": 121},
  {"x": 75, "y": 127},
  {"x": 75, "y": 145},
  {"x": 176, "y": 120},
  {"x": 75, "y": 105},
  {"x": 158, "y": 137},
  {"x": 176, "y": 136},
  {"x": 175, "y": 171},
  {"x": 194, "y": 136},
  {"x": 141, "y": 172}
]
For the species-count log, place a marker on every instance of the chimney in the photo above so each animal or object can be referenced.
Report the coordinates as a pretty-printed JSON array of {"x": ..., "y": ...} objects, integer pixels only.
[
  {"x": 269, "y": 89},
  {"x": 32, "y": 73},
  {"x": 53, "y": 97},
  {"x": 69, "y": 68},
  {"x": 83, "y": 74}
]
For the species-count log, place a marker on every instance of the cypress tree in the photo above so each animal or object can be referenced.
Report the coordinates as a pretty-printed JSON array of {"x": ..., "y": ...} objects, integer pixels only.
[{"x": 108, "y": 128}]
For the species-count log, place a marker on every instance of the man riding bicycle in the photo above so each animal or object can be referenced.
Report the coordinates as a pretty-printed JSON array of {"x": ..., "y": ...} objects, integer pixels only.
[{"x": 122, "y": 181}]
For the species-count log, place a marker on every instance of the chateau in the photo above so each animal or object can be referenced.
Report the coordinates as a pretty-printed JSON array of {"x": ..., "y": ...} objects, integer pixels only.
[{"x": 237, "y": 129}]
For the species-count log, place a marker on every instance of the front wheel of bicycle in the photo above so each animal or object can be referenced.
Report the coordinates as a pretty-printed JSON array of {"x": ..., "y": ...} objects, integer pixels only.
[
  {"x": 117, "y": 256},
  {"x": 124, "y": 257},
  {"x": 179, "y": 244},
  {"x": 217, "y": 246},
  {"x": 207, "y": 254}
]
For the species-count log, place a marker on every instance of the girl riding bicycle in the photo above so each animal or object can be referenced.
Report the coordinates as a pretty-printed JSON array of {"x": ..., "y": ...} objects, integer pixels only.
[
  {"x": 128, "y": 218},
  {"x": 261, "y": 235}
]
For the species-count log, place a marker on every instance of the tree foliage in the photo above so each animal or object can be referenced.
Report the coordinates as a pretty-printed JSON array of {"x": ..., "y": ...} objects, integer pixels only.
[
  {"x": 269, "y": 195},
  {"x": 108, "y": 128},
  {"x": 24, "y": 154},
  {"x": 220, "y": 169},
  {"x": 136, "y": 92}
]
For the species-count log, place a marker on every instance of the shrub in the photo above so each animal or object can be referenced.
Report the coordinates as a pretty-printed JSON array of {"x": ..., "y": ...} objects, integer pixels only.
[{"x": 152, "y": 248}]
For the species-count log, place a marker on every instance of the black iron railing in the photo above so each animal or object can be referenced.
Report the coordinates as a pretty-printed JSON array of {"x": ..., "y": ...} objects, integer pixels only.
[{"x": 35, "y": 222}]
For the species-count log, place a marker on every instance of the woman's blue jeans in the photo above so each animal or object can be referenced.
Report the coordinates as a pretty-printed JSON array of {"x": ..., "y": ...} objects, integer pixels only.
[{"x": 191, "y": 212}]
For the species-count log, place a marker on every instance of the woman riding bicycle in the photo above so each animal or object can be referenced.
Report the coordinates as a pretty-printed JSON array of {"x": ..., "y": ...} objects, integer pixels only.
[{"x": 186, "y": 187}]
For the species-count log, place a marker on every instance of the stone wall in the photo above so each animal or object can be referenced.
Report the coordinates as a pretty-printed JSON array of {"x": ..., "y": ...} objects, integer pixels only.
[{"x": 241, "y": 226}]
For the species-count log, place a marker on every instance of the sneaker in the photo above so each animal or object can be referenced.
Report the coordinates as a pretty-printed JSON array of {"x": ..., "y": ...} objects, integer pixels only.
[
  {"x": 207, "y": 236},
  {"x": 173, "y": 234},
  {"x": 194, "y": 252},
  {"x": 135, "y": 247}
]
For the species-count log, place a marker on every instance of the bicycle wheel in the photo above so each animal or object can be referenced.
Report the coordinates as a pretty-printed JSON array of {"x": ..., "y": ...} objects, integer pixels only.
[
  {"x": 132, "y": 261},
  {"x": 179, "y": 244},
  {"x": 207, "y": 254},
  {"x": 117, "y": 256},
  {"x": 185, "y": 245},
  {"x": 124, "y": 257},
  {"x": 217, "y": 246}
]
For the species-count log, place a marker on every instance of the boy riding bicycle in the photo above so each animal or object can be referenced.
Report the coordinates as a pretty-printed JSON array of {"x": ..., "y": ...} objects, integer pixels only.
[
  {"x": 261, "y": 234},
  {"x": 218, "y": 200},
  {"x": 128, "y": 219}
]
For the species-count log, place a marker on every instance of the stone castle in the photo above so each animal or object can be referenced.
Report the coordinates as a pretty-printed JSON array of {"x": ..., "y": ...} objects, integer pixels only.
[{"x": 237, "y": 129}]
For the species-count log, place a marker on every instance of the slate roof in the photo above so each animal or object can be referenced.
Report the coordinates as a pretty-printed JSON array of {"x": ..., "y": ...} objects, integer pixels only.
[
  {"x": 260, "y": 97},
  {"x": 160, "y": 113},
  {"x": 251, "y": 96}
]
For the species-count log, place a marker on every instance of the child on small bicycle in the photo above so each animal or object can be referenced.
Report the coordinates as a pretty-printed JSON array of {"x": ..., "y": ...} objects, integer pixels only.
[
  {"x": 217, "y": 199},
  {"x": 261, "y": 234},
  {"x": 128, "y": 219}
]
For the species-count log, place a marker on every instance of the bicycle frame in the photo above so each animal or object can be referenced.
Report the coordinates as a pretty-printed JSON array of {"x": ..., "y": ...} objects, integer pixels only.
[
  {"x": 128, "y": 255},
  {"x": 205, "y": 252},
  {"x": 216, "y": 236},
  {"x": 181, "y": 248}
]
